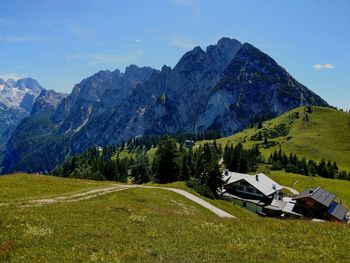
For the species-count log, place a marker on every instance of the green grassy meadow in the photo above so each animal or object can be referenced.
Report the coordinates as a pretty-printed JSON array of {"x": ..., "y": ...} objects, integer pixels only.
[
  {"x": 326, "y": 135},
  {"x": 20, "y": 187},
  {"x": 154, "y": 225}
]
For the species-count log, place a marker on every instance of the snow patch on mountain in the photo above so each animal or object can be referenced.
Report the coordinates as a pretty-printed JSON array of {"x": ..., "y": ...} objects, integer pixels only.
[{"x": 12, "y": 93}]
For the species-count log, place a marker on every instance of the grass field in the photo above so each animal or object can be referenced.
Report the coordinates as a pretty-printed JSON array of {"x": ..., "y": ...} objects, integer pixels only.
[
  {"x": 151, "y": 225},
  {"x": 20, "y": 187},
  {"x": 124, "y": 154},
  {"x": 151, "y": 153},
  {"x": 326, "y": 135}
]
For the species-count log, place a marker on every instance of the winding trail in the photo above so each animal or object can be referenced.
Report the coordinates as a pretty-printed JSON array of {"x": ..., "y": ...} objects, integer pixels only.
[
  {"x": 106, "y": 190},
  {"x": 219, "y": 212},
  {"x": 294, "y": 192}
]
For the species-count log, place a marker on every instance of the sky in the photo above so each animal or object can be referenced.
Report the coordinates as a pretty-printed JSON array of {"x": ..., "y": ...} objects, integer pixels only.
[{"x": 59, "y": 43}]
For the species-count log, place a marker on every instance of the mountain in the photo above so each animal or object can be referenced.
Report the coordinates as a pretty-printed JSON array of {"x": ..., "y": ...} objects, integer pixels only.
[
  {"x": 42, "y": 140},
  {"x": 168, "y": 102},
  {"x": 47, "y": 101},
  {"x": 220, "y": 88},
  {"x": 16, "y": 102},
  {"x": 252, "y": 84},
  {"x": 33, "y": 142}
]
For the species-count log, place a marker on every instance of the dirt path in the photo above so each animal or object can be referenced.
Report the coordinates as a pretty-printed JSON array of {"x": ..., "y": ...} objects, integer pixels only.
[
  {"x": 80, "y": 196},
  {"x": 294, "y": 192},
  {"x": 219, "y": 212},
  {"x": 103, "y": 191},
  {"x": 71, "y": 197}
]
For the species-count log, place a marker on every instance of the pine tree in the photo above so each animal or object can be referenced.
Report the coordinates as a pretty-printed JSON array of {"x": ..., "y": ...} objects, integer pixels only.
[
  {"x": 184, "y": 171},
  {"x": 166, "y": 166},
  {"x": 309, "y": 109},
  {"x": 214, "y": 177}
]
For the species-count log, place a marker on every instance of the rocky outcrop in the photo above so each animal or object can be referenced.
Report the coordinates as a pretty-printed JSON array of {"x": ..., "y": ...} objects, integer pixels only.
[
  {"x": 253, "y": 83},
  {"x": 47, "y": 101}
]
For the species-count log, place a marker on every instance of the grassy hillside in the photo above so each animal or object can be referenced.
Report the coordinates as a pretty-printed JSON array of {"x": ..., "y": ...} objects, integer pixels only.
[
  {"x": 19, "y": 187},
  {"x": 326, "y": 135},
  {"x": 150, "y": 225}
]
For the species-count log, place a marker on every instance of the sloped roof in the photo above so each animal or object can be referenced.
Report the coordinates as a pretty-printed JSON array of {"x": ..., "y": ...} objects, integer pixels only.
[
  {"x": 337, "y": 210},
  {"x": 318, "y": 194},
  {"x": 259, "y": 181}
]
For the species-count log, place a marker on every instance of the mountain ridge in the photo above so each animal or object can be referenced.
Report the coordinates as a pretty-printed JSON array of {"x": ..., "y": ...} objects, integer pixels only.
[{"x": 200, "y": 93}]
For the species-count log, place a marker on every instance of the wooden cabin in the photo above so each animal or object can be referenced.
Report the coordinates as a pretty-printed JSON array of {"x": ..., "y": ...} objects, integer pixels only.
[{"x": 319, "y": 203}]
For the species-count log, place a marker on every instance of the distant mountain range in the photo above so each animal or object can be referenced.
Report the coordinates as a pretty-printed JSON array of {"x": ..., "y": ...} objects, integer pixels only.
[
  {"x": 221, "y": 88},
  {"x": 17, "y": 101}
]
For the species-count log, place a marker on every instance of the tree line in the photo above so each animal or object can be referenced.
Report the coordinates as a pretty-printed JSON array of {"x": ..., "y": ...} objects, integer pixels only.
[
  {"x": 96, "y": 164},
  {"x": 149, "y": 141},
  {"x": 238, "y": 159},
  {"x": 279, "y": 160},
  {"x": 199, "y": 166}
]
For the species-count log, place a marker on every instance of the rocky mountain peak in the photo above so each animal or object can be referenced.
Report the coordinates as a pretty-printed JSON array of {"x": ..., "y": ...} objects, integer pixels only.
[
  {"x": 253, "y": 83},
  {"x": 29, "y": 83},
  {"x": 253, "y": 55},
  {"x": 47, "y": 101},
  {"x": 228, "y": 43},
  {"x": 16, "y": 102},
  {"x": 133, "y": 72},
  {"x": 190, "y": 59},
  {"x": 19, "y": 94},
  {"x": 166, "y": 69},
  {"x": 10, "y": 82}
]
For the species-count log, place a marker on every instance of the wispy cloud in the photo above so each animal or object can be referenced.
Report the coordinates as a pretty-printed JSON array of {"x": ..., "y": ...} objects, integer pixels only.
[
  {"x": 103, "y": 58},
  {"x": 72, "y": 57},
  {"x": 80, "y": 30},
  {"x": 323, "y": 66},
  {"x": 22, "y": 38},
  {"x": 11, "y": 75},
  {"x": 182, "y": 42}
]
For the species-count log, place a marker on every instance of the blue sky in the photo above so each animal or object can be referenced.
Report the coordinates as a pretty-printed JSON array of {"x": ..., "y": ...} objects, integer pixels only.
[{"x": 61, "y": 42}]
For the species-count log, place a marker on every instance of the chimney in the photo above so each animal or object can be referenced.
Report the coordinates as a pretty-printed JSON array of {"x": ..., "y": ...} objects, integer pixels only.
[{"x": 257, "y": 178}]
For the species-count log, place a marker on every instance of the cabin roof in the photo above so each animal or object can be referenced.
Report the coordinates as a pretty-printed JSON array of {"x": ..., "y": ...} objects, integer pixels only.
[
  {"x": 259, "y": 181},
  {"x": 337, "y": 210},
  {"x": 319, "y": 194}
]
